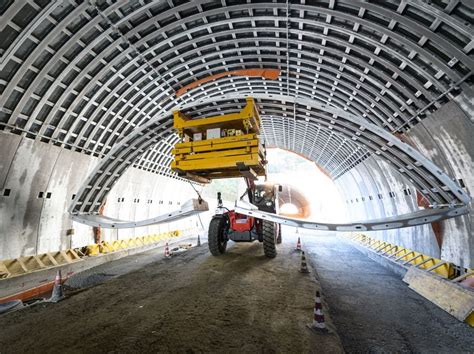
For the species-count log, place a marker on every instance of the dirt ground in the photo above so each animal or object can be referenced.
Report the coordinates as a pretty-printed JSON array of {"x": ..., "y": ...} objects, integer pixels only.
[{"x": 240, "y": 302}]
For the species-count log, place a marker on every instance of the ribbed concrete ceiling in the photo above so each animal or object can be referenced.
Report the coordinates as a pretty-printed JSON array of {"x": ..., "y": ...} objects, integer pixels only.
[{"x": 100, "y": 77}]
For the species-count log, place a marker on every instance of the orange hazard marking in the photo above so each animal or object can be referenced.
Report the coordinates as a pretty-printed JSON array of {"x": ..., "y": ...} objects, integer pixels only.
[
  {"x": 30, "y": 293},
  {"x": 270, "y": 74},
  {"x": 33, "y": 292}
]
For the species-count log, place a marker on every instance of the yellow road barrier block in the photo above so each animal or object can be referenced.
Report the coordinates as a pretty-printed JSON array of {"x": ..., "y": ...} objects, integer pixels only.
[
  {"x": 425, "y": 277},
  {"x": 22, "y": 265},
  {"x": 406, "y": 256},
  {"x": 106, "y": 247},
  {"x": 470, "y": 319},
  {"x": 92, "y": 250},
  {"x": 113, "y": 246}
]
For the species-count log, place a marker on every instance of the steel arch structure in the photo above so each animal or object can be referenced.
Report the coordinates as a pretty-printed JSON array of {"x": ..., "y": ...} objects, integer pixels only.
[{"x": 100, "y": 77}]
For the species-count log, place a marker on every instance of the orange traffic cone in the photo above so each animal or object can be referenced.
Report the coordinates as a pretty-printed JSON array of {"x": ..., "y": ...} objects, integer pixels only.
[
  {"x": 304, "y": 266},
  {"x": 318, "y": 316},
  {"x": 57, "y": 294},
  {"x": 167, "y": 251},
  {"x": 298, "y": 245}
]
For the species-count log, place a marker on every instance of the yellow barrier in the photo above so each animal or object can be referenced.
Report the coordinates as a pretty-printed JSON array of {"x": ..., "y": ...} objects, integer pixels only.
[
  {"x": 22, "y": 265},
  {"x": 27, "y": 264},
  {"x": 92, "y": 250},
  {"x": 107, "y": 247},
  {"x": 407, "y": 256}
]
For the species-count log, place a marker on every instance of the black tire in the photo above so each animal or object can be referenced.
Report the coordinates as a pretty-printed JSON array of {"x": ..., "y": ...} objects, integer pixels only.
[
  {"x": 279, "y": 235},
  {"x": 269, "y": 239},
  {"x": 216, "y": 236}
]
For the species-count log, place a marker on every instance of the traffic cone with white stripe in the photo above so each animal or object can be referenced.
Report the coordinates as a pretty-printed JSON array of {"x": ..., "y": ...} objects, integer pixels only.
[
  {"x": 298, "y": 245},
  {"x": 304, "y": 266},
  {"x": 318, "y": 316},
  {"x": 167, "y": 251},
  {"x": 57, "y": 294}
]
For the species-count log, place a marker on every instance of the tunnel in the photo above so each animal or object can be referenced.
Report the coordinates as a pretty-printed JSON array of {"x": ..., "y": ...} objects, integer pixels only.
[{"x": 376, "y": 96}]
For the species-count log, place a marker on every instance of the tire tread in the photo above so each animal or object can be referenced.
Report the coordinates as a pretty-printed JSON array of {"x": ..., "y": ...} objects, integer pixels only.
[
  {"x": 213, "y": 236},
  {"x": 269, "y": 239}
]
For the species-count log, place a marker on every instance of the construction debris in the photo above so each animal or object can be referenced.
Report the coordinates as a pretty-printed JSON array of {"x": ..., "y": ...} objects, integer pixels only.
[{"x": 185, "y": 246}]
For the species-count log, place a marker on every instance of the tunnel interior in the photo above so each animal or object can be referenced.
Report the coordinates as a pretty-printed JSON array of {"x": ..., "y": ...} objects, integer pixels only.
[
  {"x": 374, "y": 98},
  {"x": 87, "y": 90}
]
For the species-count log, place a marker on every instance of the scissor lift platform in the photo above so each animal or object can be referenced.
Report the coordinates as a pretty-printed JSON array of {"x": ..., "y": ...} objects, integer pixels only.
[{"x": 233, "y": 150}]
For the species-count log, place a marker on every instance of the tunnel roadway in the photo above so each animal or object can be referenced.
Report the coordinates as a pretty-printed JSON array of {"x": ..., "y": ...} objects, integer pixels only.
[
  {"x": 374, "y": 310},
  {"x": 193, "y": 302},
  {"x": 241, "y": 302}
]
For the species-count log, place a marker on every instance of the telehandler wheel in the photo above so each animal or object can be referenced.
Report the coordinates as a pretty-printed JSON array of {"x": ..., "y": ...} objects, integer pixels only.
[
  {"x": 279, "y": 235},
  {"x": 269, "y": 239},
  {"x": 217, "y": 240}
]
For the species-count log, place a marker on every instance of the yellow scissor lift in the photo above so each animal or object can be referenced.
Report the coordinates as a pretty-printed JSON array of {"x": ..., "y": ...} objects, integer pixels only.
[{"x": 223, "y": 146}]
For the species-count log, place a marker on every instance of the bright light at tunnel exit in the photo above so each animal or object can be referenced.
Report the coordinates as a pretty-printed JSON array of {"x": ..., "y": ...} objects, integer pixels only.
[
  {"x": 304, "y": 176},
  {"x": 300, "y": 175},
  {"x": 288, "y": 208}
]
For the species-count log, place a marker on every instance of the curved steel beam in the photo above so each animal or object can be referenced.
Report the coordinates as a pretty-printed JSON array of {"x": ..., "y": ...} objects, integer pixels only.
[
  {"x": 419, "y": 217},
  {"x": 409, "y": 162},
  {"x": 191, "y": 207}
]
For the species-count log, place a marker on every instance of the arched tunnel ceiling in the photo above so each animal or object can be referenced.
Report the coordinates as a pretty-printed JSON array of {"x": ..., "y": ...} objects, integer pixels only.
[
  {"x": 288, "y": 126},
  {"x": 100, "y": 77}
]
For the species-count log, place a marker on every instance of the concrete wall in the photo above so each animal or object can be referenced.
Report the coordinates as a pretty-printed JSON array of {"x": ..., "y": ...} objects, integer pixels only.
[
  {"x": 447, "y": 138},
  {"x": 374, "y": 190},
  {"x": 142, "y": 195},
  {"x": 31, "y": 223}
]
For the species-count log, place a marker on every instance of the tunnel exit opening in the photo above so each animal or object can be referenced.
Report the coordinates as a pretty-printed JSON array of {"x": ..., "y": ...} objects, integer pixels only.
[{"x": 308, "y": 192}]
